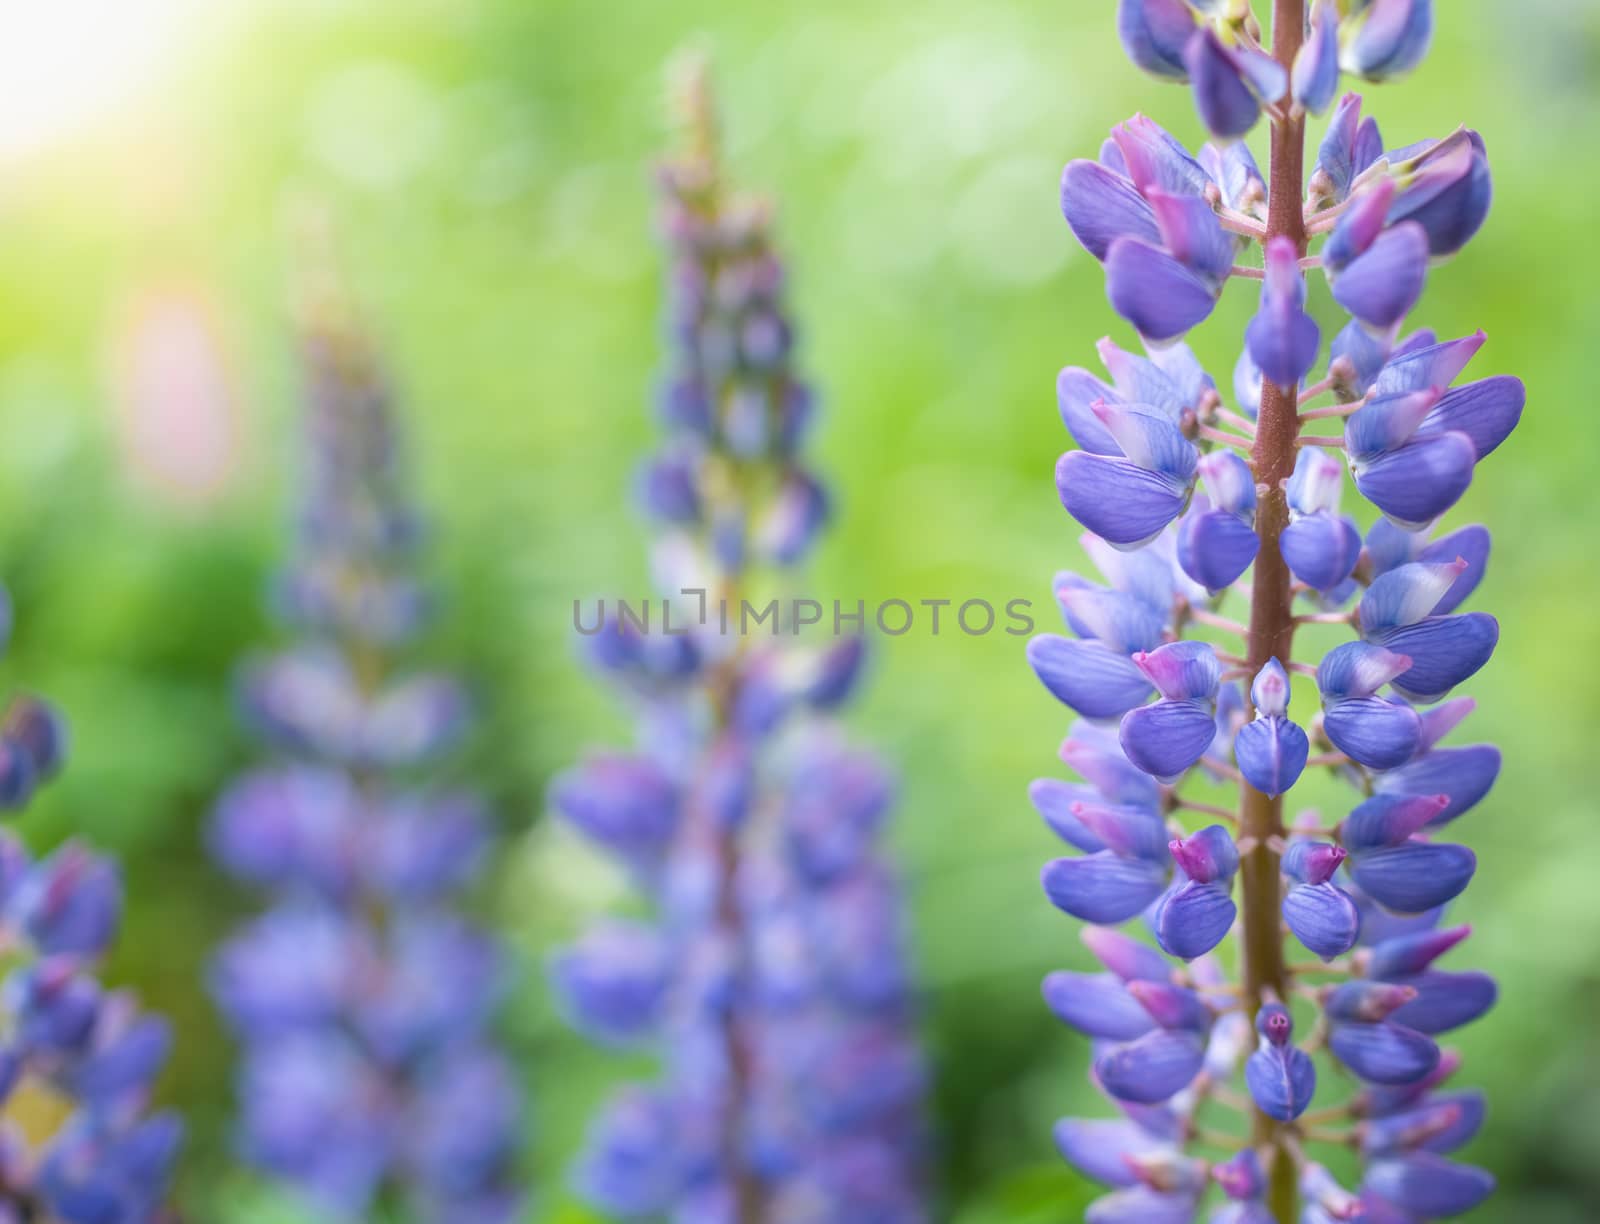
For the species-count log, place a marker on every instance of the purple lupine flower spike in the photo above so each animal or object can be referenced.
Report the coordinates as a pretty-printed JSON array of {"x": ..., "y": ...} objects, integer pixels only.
[
  {"x": 88, "y": 1053},
  {"x": 769, "y": 976},
  {"x": 1219, "y": 533},
  {"x": 362, "y": 998}
]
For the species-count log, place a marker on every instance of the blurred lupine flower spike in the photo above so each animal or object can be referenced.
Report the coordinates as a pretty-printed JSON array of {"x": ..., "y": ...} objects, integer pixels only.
[
  {"x": 771, "y": 980},
  {"x": 78, "y": 1062},
  {"x": 1218, "y": 533},
  {"x": 363, "y": 998}
]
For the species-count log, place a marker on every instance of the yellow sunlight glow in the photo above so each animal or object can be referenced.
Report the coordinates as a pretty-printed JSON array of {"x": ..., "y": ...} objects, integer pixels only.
[{"x": 67, "y": 63}]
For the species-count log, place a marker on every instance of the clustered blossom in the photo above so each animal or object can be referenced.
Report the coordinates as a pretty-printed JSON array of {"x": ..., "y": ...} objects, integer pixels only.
[
  {"x": 77, "y": 1061},
  {"x": 770, "y": 977},
  {"x": 363, "y": 998},
  {"x": 1183, "y": 498}
]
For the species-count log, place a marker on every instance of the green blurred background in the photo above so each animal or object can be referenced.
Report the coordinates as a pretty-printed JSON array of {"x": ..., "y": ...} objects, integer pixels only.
[{"x": 488, "y": 164}]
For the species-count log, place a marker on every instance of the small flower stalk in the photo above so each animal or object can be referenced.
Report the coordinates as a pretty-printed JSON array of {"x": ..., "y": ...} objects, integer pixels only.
[
  {"x": 770, "y": 976},
  {"x": 363, "y": 998},
  {"x": 1194, "y": 509},
  {"x": 78, "y": 1062}
]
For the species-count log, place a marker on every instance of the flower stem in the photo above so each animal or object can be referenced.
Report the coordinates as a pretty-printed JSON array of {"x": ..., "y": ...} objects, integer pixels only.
[{"x": 1272, "y": 619}]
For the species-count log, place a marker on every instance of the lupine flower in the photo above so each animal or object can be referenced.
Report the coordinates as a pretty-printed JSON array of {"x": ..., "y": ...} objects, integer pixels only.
[
  {"x": 78, "y": 1060},
  {"x": 771, "y": 980},
  {"x": 1186, "y": 500},
  {"x": 362, "y": 999}
]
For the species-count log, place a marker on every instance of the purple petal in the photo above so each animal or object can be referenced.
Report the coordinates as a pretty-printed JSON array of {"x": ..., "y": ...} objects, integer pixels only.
[
  {"x": 1118, "y": 500},
  {"x": 1320, "y": 549},
  {"x": 623, "y": 803},
  {"x": 1150, "y": 440},
  {"x": 1358, "y": 669},
  {"x": 1104, "y": 887},
  {"x": 793, "y": 519},
  {"x": 1194, "y": 918},
  {"x": 1450, "y": 193},
  {"x": 1154, "y": 292},
  {"x": 1440, "y": 1124},
  {"x": 1172, "y": 1006},
  {"x": 1133, "y": 832},
  {"x": 1485, "y": 411},
  {"x": 1168, "y": 737},
  {"x": 1390, "y": 38},
  {"x": 1055, "y": 801},
  {"x": 1102, "y": 206},
  {"x": 1446, "y": 1001},
  {"x": 612, "y": 982},
  {"x": 1115, "y": 619},
  {"x": 1471, "y": 544},
  {"x": 1155, "y": 159},
  {"x": 1154, "y": 33},
  {"x": 1271, "y": 753},
  {"x": 1388, "y": 820},
  {"x": 1398, "y": 958},
  {"x": 1444, "y": 651},
  {"x": 1316, "y": 482},
  {"x": 1414, "y": 877},
  {"x": 1229, "y": 481},
  {"x": 1346, "y": 149},
  {"x": 1315, "y": 78},
  {"x": 1364, "y": 1002},
  {"x": 1215, "y": 547},
  {"x": 1384, "y": 1053},
  {"x": 1381, "y": 285},
  {"x": 1359, "y": 226},
  {"x": 1406, "y": 594},
  {"x": 1323, "y": 918},
  {"x": 1208, "y": 856},
  {"x": 1192, "y": 234},
  {"x": 1269, "y": 691},
  {"x": 1152, "y": 1069},
  {"x": 1076, "y": 390},
  {"x": 1125, "y": 956},
  {"x": 1094, "y": 681},
  {"x": 1428, "y": 1185},
  {"x": 1387, "y": 422},
  {"x": 1355, "y": 357},
  {"x": 1377, "y": 733},
  {"x": 1282, "y": 1081},
  {"x": 1434, "y": 365},
  {"x": 1464, "y": 775},
  {"x": 1234, "y": 170},
  {"x": 1417, "y": 483},
  {"x": 1095, "y": 753},
  {"x": 1141, "y": 1205},
  {"x": 1228, "y": 105},
  {"x": 1169, "y": 383},
  {"x": 1283, "y": 339},
  {"x": 1096, "y": 1147},
  {"x": 1096, "y": 1004},
  {"x": 1312, "y": 862},
  {"x": 1182, "y": 670}
]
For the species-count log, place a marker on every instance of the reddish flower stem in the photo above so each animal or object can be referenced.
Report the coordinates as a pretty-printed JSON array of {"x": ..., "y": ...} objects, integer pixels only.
[{"x": 1272, "y": 622}]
